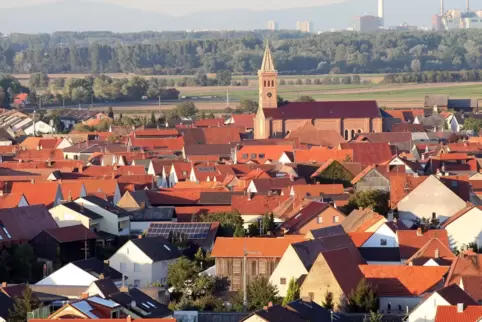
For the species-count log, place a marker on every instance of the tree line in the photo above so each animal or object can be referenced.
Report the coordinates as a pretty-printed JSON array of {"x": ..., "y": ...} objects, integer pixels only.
[
  {"x": 473, "y": 75},
  {"x": 241, "y": 52}
]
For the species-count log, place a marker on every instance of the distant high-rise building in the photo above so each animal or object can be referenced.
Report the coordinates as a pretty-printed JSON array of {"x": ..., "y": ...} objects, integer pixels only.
[
  {"x": 304, "y": 26},
  {"x": 367, "y": 23},
  {"x": 273, "y": 25}
]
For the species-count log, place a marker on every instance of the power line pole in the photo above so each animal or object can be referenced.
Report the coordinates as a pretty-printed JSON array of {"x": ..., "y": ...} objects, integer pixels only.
[{"x": 245, "y": 277}]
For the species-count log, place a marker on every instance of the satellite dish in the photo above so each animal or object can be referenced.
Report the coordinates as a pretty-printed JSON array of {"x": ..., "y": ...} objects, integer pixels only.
[{"x": 133, "y": 304}]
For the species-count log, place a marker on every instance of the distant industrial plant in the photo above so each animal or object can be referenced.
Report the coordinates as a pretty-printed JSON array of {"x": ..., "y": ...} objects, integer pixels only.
[{"x": 457, "y": 19}]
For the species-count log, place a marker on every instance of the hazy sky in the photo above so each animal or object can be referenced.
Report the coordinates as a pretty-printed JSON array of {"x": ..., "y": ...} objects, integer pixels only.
[{"x": 180, "y": 7}]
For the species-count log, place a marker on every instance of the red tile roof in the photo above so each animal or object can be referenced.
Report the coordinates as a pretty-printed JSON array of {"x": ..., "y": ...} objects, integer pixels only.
[
  {"x": 10, "y": 200},
  {"x": 322, "y": 154},
  {"x": 324, "y": 110},
  {"x": 257, "y": 246},
  {"x": 71, "y": 233},
  {"x": 246, "y": 120},
  {"x": 254, "y": 152},
  {"x": 466, "y": 264},
  {"x": 113, "y": 171},
  {"x": 308, "y": 213},
  {"x": 189, "y": 213},
  {"x": 401, "y": 185},
  {"x": 171, "y": 144},
  {"x": 360, "y": 238},
  {"x": 153, "y": 133},
  {"x": 310, "y": 135},
  {"x": 37, "y": 193},
  {"x": 402, "y": 280},
  {"x": 303, "y": 190},
  {"x": 175, "y": 196},
  {"x": 368, "y": 153},
  {"x": 435, "y": 249},
  {"x": 222, "y": 135},
  {"x": 451, "y": 314},
  {"x": 410, "y": 241},
  {"x": 40, "y": 155},
  {"x": 256, "y": 205},
  {"x": 217, "y": 122}
]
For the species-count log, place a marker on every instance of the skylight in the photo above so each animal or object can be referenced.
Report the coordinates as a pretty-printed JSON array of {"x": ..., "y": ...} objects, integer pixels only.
[
  {"x": 6, "y": 231},
  {"x": 150, "y": 304},
  {"x": 167, "y": 247}
]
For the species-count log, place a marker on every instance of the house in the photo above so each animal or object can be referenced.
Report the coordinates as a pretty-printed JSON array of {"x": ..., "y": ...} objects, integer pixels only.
[
  {"x": 368, "y": 153},
  {"x": 271, "y": 121},
  {"x": 410, "y": 241},
  {"x": 39, "y": 193},
  {"x": 271, "y": 185},
  {"x": 253, "y": 207},
  {"x": 70, "y": 117},
  {"x": 298, "y": 258},
  {"x": 466, "y": 264},
  {"x": 66, "y": 244},
  {"x": 145, "y": 260},
  {"x": 207, "y": 152},
  {"x": 13, "y": 200},
  {"x": 91, "y": 308},
  {"x": 263, "y": 154},
  {"x": 334, "y": 172},
  {"x": 363, "y": 220},
  {"x": 322, "y": 154},
  {"x": 245, "y": 121},
  {"x": 447, "y": 296},
  {"x": 372, "y": 178},
  {"x": 198, "y": 233},
  {"x": 312, "y": 136},
  {"x": 134, "y": 200},
  {"x": 85, "y": 271},
  {"x": 315, "y": 190},
  {"x": 313, "y": 216},
  {"x": 402, "y": 141},
  {"x": 463, "y": 227},
  {"x": 263, "y": 255},
  {"x": 400, "y": 288},
  {"x": 418, "y": 204},
  {"x": 272, "y": 313},
  {"x": 335, "y": 271},
  {"x": 21, "y": 225},
  {"x": 146, "y": 307},
  {"x": 458, "y": 313},
  {"x": 433, "y": 253}
]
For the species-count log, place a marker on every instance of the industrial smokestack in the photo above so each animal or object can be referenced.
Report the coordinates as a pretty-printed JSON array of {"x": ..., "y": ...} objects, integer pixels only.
[
  {"x": 442, "y": 9},
  {"x": 467, "y": 6},
  {"x": 381, "y": 12}
]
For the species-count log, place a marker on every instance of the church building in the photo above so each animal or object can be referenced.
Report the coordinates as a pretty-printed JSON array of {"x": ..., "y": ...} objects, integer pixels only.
[{"x": 272, "y": 121}]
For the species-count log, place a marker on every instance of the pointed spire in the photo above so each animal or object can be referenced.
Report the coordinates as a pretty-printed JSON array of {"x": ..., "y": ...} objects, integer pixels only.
[{"x": 267, "y": 65}]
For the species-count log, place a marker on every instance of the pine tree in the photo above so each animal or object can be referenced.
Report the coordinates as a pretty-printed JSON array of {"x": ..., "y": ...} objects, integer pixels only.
[
  {"x": 363, "y": 299},
  {"x": 23, "y": 305},
  {"x": 110, "y": 112},
  {"x": 265, "y": 224},
  {"x": 239, "y": 231},
  {"x": 328, "y": 302},
  {"x": 293, "y": 292}
]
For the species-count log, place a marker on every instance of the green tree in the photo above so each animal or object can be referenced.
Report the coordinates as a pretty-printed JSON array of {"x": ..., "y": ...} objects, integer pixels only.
[
  {"x": 305, "y": 98},
  {"x": 293, "y": 292},
  {"x": 39, "y": 79},
  {"x": 253, "y": 229},
  {"x": 239, "y": 231},
  {"x": 473, "y": 124},
  {"x": 153, "y": 121},
  {"x": 328, "y": 301},
  {"x": 23, "y": 262},
  {"x": 363, "y": 299},
  {"x": 377, "y": 200},
  {"x": 248, "y": 106},
  {"x": 23, "y": 305},
  {"x": 281, "y": 101},
  {"x": 374, "y": 317},
  {"x": 259, "y": 293},
  {"x": 228, "y": 222},
  {"x": 110, "y": 112},
  {"x": 223, "y": 78},
  {"x": 356, "y": 79},
  {"x": 186, "y": 109}
]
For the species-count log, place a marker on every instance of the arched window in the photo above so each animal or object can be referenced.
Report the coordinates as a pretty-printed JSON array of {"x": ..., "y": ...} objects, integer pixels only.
[
  {"x": 359, "y": 131},
  {"x": 272, "y": 83},
  {"x": 352, "y": 134},
  {"x": 346, "y": 134},
  {"x": 264, "y": 83}
]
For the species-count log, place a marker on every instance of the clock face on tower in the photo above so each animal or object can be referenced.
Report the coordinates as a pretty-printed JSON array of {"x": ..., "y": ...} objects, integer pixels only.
[{"x": 269, "y": 94}]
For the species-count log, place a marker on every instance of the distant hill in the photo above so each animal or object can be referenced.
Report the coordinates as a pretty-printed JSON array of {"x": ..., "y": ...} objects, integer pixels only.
[{"x": 78, "y": 15}]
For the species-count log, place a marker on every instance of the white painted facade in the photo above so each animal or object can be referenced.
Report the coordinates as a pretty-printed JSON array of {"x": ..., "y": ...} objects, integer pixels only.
[
  {"x": 430, "y": 197},
  {"x": 172, "y": 177},
  {"x": 284, "y": 159},
  {"x": 65, "y": 143},
  {"x": 466, "y": 229},
  {"x": 427, "y": 310},
  {"x": 397, "y": 161},
  {"x": 289, "y": 266},
  {"x": 382, "y": 237},
  {"x": 252, "y": 188},
  {"x": 65, "y": 217},
  {"x": 138, "y": 267},
  {"x": 69, "y": 275},
  {"x": 111, "y": 223},
  {"x": 40, "y": 128}
]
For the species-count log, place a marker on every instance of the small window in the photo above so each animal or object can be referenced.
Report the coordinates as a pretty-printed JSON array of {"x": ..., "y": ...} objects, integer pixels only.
[
  {"x": 311, "y": 295},
  {"x": 282, "y": 281},
  {"x": 184, "y": 173},
  {"x": 383, "y": 242},
  {"x": 346, "y": 134},
  {"x": 122, "y": 267},
  {"x": 167, "y": 247},
  {"x": 245, "y": 155},
  {"x": 261, "y": 155},
  {"x": 336, "y": 219},
  {"x": 434, "y": 216},
  {"x": 320, "y": 220},
  {"x": 137, "y": 267},
  {"x": 253, "y": 268},
  {"x": 253, "y": 155},
  {"x": 399, "y": 307},
  {"x": 137, "y": 283}
]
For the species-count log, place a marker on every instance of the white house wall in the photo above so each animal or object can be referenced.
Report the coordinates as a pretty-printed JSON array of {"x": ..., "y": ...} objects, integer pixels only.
[
  {"x": 290, "y": 266},
  {"x": 69, "y": 275},
  {"x": 383, "y": 232},
  {"x": 427, "y": 310},
  {"x": 466, "y": 229},
  {"x": 130, "y": 254},
  {"x": 406, "y": 303}
]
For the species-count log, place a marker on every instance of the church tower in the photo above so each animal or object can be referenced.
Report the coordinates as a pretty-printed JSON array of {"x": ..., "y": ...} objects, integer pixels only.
[{"x": 268, "y": 82}]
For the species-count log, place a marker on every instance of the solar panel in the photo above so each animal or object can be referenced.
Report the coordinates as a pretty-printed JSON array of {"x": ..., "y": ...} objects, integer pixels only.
[{"x": 191, "y": 230}]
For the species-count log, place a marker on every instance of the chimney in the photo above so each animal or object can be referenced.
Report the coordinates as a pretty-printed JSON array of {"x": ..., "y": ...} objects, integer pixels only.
[
  {"x": 139, "y": 237},
  {"x": 460, "y": 307},
  {"x": 106, "y": 262},
  {"x": 1, "y": 192},
  {"x": 249, "y": 196},
  {"x": 129, "y": 319},
  {"x": 390, "y": 216},
  {"x": 4, "y": 284},
  {"x": 381, "y": 12},
  {"x": 270, "y": 304},
  {"x": 437, "y": 253},
  {"x": 419, "y": 231},
  {"x": 32, "y": 181},
  {"x": 442, "y": 9},
  {"x": 101, "y": 276},
  {"x": 265, "y": 308},
  {"x": 467, "y": 6},
  {"x": 84, "y": 295}
]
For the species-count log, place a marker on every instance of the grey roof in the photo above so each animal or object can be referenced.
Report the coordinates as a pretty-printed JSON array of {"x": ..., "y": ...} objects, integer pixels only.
[
  {"x": 217, "y": 198},
  {"x": 276, "y": 313},
  {"x": 153, "y": 308},
  {"x": 98, "y": 146},
  {"x": 95, "y": 267},
  {"x": 82, "y": 210},
  {"x": 106, "y": 286},
  {"x": 327, "y": 231},
  {"x": 309, "y": 310},
  {"x": 157, "y": 248},
  {"x": 465, "y": 104},
  {"x": 145, "y": 162},
  {"x": 107, "y": 206},
  {"x": 380, "y": 254},
  {"x": 454, "y": 295},
  {"x": 208, "y": 149},
  {"x": 436, "y": 100},
  {"x": 75, "y": 114},
  {"x": 141, "y": 197},
  {"x": 6, "y": 303},
  {"x": 309, "y": 250},
  {"x": 153, "y": 214}
]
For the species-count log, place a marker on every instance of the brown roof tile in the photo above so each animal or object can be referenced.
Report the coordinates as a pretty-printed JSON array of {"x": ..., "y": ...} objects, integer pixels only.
[
  {"x": 71, "y": 233},
  {"x": 309, "y": 134},
  {"x": 451, "y": 314},
  {"x": 466, "y": 264},
  {"x": 368, "y": 153},
  {"x": 410, "y": 241},
  {"x": 262, "y": 247},
  {"x": 256, "y": 205},
  {"x": 322, "y": 154},
  {"x": 401, "y": 185}
]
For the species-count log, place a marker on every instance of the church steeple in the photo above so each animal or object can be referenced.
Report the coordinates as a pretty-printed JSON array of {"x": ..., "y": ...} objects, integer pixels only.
[
  {"x": 268, "y": 82},
  {"x": 267, "y": 65}
]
